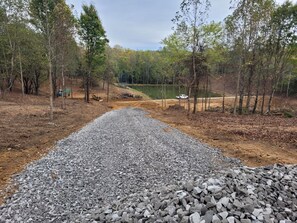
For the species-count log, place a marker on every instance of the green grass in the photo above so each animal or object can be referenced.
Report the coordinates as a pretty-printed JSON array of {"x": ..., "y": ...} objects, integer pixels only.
[{"x": 155, "y": 91}]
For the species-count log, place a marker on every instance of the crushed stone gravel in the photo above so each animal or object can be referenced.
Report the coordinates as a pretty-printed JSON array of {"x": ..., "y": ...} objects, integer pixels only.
[
  {"x": 120, "y": 153},
  {"x": 239, "y": 195}
]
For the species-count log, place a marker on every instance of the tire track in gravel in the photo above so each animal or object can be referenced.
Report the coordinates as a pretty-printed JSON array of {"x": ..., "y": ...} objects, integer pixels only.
[{"x": 120, "y": 153}]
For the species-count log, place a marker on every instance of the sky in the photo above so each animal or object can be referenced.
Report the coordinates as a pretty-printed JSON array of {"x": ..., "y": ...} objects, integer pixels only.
[{"x": 142, "y": 24}]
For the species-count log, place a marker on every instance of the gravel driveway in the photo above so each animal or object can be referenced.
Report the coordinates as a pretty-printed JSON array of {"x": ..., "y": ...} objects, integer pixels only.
[{"x": 120, "y": 153}]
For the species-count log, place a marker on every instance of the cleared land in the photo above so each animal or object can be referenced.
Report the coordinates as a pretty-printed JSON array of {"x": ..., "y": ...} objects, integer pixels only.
[
  {"x": 27, "y": 134},
  {"x": 120, "y": 153},
  {"x": 256, "y": 140}
]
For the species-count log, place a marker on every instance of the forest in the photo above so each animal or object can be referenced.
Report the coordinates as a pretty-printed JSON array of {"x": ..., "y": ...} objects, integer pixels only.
[{"x": 254, "y": 50}]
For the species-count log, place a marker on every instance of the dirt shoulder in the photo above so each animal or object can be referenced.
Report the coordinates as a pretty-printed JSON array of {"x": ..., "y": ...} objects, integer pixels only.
[
  {"x": 254, "y": 139},
  {"x": 27, "y": 133}
]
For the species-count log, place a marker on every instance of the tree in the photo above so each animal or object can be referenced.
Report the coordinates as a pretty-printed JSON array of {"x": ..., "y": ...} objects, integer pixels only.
[
  {"x": 246, "y": 31},
  {"x": 281, "y": 45},
  {"x": 33, "y": 61},
  {"x": 13, "y": 19},
  {"x": 43, "y": 18},
  {"x": 64, "y": 31},
  {"x": 189, "y": 19},
  {"x": 94, "y": 39}
]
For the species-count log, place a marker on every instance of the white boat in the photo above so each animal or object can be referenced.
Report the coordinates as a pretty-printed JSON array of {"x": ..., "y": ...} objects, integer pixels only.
[{"x": 182, "y": 96}]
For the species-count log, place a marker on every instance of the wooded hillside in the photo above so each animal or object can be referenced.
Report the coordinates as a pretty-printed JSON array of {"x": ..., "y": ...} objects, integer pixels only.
[{"x": 253, "y": 50}]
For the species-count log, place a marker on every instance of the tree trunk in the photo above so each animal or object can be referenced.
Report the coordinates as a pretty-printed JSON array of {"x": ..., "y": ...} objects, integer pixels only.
[
  {"x": 263, "y": 97},
  {"x": 179, "y": 92},
  {"x": 257, "y": 95},
  {"x": 63, "y": 89},
  {"x": 236, "y": 94},
  {"x": 209, "y": 96},
  {"x": 88, "y": 87},
  {"x": 195, "y": 98},
  {"x": 36, "y": 82},
  {"x": 249, "y": 90},
  {"x": 162, "y": 95},
  {"x": 240, "y": 103},
  {"x": 288, "y": 86},
  {"x": 189, "y": 100},
  {"x": 21, "y": 72},
  {"x": 107, "y": 92},
  {"x": 11, "y": 78},
  {"x": 165, "y": 94},
  {"x": 51, "y": 90},
  {"x": 270, "y": 101},
  {"x": 206, "y": 94},
  {"x": 202, "y": 98},
  {"x": 223, "y": 103}
]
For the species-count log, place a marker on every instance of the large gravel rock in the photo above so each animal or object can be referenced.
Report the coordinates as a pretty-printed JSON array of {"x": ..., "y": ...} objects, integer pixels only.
[
  {"x": 241, "y": 195},
  {"x": 119, "y": 154}
]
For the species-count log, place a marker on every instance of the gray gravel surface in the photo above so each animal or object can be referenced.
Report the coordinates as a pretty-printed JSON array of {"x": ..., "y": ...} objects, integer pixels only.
[
  {"x": 120, "y": 153},
  {"x": 238, "y": 195}
]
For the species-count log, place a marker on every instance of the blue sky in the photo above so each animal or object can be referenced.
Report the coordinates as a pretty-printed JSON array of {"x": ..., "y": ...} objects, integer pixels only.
[{"x": 142, "y": 24}]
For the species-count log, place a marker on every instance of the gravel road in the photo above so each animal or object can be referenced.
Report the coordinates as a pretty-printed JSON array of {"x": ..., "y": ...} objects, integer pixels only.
[{"x": 120, "y": 153}]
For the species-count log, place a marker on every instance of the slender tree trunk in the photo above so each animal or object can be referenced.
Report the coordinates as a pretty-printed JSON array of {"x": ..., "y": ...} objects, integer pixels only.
[
  {"x": 202, "y": 98},
  {"x": 270, "y": 101},
  {"x": 206, "y": 94},
  {"x": 223, "y": 103},
  {"x": 88, "y": 87},
  {"x": 249, "y": 90},
  {"x": 241, "y": 97},
  {"x": 107, "y": 91},
  {"x": 257, "y": 97},
  {"x": 195, "y": 101},
  {"x": 179, "y": 92},
  {"x": 189, "y": 100},
  {"x": 271, "y": 97},
  {"x": 236, "y": 94},
  {"x": 21, "y": 71},
  {"x": 195, "y": 98},
  {"x": 165, "y": 95},
  {"x": 240, "y": 104},
  {"x": 11, "y": 78},
  {"x": 288, "y": 86},
  {"x": 209, "y": 96},
  {"x": 71, "y": 88},
  {"x": 63, "y": 89},
  {"x": 162, "y": 95},
  {"x": 263, "y": 97},
  {"x": 51, "y": 90}
]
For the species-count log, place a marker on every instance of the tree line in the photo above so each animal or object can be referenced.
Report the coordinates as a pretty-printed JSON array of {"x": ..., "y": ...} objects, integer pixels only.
[
  {"x": 41, "y": 40},
  {"x": 255, "y": 47}
]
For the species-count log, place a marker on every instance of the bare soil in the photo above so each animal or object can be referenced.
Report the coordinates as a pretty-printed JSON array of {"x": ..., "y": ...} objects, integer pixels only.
[
  {"x": 254, "y": 139},
  {"x": 26, "y": 133}
]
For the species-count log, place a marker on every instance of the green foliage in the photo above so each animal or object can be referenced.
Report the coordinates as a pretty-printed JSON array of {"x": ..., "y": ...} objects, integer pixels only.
[
  {"x": 284, "y": 20},
  {"x": 43, "y": 15},
  {"x": 288, "y": 114},
  {"x": 92, "y": 34}
]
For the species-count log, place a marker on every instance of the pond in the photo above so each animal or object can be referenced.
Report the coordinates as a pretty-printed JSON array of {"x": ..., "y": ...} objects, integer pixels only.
[{"x": 155, "y": 91}]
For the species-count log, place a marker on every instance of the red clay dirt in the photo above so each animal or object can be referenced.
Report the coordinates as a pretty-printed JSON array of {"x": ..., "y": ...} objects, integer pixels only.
[
  {"x": 27, "y": 133},
  {"x": 256, "y": 140}
]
